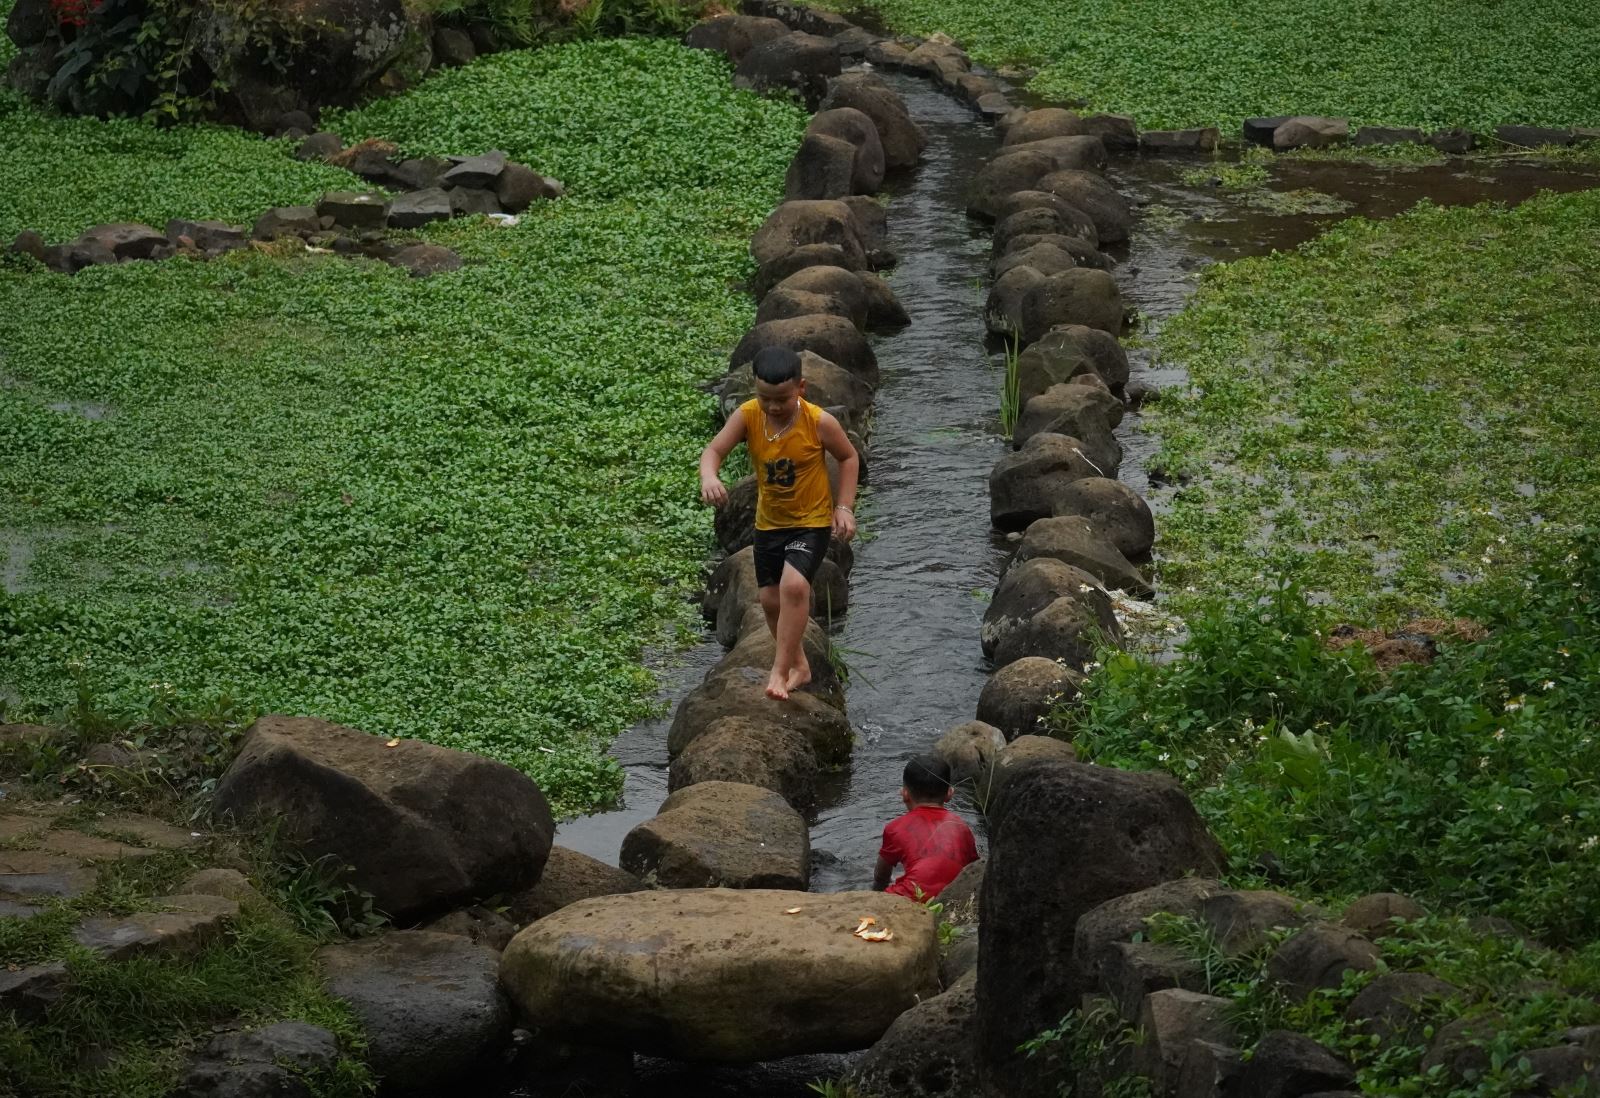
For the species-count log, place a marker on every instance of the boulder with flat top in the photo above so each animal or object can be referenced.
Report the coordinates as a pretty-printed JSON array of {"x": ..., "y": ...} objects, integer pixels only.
[
  {"x": 741, "y": 692},
  {"x": 721, "y": 834}
]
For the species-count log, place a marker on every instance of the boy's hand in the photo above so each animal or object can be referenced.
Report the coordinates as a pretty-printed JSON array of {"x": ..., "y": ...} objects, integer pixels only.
[
  {"x": 844, "y": 523},
  {"x": 714, "y": 493}
]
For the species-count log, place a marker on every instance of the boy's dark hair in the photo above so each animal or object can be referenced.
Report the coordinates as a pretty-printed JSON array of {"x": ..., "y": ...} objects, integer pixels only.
[
  {"x": 927, "y": 778},
  {"x": 776, "y": 365}
]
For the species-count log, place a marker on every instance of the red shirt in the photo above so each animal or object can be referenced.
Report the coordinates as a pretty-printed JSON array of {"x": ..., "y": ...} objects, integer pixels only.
[{"x": 933, "y": 843}]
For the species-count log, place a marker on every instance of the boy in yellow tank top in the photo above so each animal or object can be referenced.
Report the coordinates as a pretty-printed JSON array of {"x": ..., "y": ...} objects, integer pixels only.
[{"x": 795, "y": 509}]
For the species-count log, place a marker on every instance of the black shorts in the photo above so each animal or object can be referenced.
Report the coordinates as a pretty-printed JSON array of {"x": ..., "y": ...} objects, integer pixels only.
[{"x": 802, "y": 546}]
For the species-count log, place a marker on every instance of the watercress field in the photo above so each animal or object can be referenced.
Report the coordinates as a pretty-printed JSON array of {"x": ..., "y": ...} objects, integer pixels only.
[
  {"x": 1209, "y": 62},
  {"x": 452, "y": 508}
]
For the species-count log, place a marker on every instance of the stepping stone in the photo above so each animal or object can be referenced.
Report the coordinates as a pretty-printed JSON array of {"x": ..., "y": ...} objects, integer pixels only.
[
  {"x": 724, "y": 975},
  {"x": 15, "y": 826},
  {"x": 149, "y": 831},
  {"x": 188, "y": 924},
  {"x": 271, "y": 1060},
  {"x": 476, "y": 171},
  {"x": 11, "y": 909},
  {"x": 30, "y": 990},
  {"x": 28, "y": 873},
  {"x": 354, "y": 211},
  {"x": 410, "y": 211},
  {"x": 84, "y": 847},
  {"x": 721, "y": 833}
]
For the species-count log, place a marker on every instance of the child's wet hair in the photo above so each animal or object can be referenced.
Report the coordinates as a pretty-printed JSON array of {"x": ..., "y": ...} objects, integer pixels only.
[
  {"x": 927, "y": 778},
  {"x": 776, "y": 365}
]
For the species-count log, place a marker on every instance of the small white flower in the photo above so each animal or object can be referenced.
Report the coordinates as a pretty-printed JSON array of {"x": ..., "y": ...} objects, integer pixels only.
[
  {"x": 1499, "y": 734},
  {"x": 1163, "y": 757},
  {"x": 1483, "y": 762},
  {"x": 1549, "y": 684},
  {"x": 1486, "y": 559},
  {"x": 1514, "y": 704},
  {"x": 1499, "y": 808},
  {"x": 1590, "y": 843}
]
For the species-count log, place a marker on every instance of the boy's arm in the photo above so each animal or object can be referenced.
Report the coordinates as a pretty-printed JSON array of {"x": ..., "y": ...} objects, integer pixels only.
[
  {"x": 711, "y": 458},
  {"x": 837, "y": 443},
  {"x": 881, "y": 874}
]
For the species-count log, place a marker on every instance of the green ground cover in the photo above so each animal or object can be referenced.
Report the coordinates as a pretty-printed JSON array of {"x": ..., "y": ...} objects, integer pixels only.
[
  {"x": 1205, "y": 62},
  {"x": 1394, "y": 409},
  {"x": 452, "y": 508}
]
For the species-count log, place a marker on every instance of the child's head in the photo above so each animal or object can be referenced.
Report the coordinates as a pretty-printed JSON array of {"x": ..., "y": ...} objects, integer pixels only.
[
  {"x": 926, "y": 781},
  {"x": 779, "y": 384}
]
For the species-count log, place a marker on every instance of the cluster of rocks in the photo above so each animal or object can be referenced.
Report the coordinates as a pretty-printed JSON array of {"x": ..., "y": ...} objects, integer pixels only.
[
  {"x": 1284, "y": 132},
  {"x": 348, "y": 223}
]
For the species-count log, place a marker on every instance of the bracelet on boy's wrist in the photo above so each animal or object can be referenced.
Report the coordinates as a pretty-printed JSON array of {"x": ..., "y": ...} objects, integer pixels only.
[{"x": 846, "y": 510}]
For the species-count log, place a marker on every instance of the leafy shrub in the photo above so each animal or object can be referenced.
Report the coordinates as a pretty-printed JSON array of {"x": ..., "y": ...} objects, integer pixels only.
[
  {"x": 1208, "y": 62},
  {"x": 1467, "y": 783}
]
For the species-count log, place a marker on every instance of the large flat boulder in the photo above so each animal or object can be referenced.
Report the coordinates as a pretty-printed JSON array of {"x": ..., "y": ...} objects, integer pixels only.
[
  {"x": 423, "y": 828},
  {"x": 724, "y": 834},
  {"x": 724, "y": 975}
]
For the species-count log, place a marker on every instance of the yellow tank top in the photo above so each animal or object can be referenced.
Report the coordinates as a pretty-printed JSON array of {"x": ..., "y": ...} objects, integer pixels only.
[{"x": 792, "y": 486}]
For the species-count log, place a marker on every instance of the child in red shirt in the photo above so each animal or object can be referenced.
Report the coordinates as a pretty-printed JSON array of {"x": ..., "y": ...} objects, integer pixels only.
[{"x": 932, "y": 842}]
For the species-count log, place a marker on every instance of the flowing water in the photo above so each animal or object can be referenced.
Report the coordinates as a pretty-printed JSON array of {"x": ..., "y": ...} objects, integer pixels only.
[{"x": 928, "y": 559}]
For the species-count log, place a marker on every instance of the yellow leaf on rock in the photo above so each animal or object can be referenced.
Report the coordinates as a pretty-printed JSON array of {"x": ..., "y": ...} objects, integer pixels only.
[{"x": 392, "y": 743}]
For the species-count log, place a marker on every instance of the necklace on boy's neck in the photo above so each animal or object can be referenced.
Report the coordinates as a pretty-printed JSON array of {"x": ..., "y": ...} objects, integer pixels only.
[{"x": 768, "y": 435}]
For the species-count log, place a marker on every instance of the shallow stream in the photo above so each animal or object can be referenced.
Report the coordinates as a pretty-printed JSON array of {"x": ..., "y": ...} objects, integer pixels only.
[{"x": 928, "y": 559}]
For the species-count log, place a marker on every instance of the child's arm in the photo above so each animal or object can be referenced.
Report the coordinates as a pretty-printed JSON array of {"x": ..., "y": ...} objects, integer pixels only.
[
  {"x": 881, "y": 874},
  {"x": 711, "y": 458},
  {"x": 837, "y": 443}
]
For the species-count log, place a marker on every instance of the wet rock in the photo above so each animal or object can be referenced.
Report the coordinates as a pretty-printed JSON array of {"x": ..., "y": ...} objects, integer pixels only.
[
  {"x": 1065, "y": 352},
  {"x": 801, "y": 17},
  {"x": 1019, "y": 754},
  {"x": 1073, "y": 540},
  {"x": 422, "y": 260},
  {"x": 733, "y": 593},
  {"x": 1259, "y": 131},
  {"x": 1041, "y": 218},
  {"x": 785, "y": 304},
  {"x": 856, "y": 129},
  {"x": 1031, "y": 588},
  {"x": 1026, "y": 484},
  {"x": 1374, "y": 915},
  {"x": 1532, "y": 137},
  {"x": 320, "y": 146},
  {"x": 1079, "y": 296},
  {"x": 833, "y": 338},
  {"x": 801, "y": 63},
  {"x": 1131, "y": 971},
  {"x": 993, "y": 106},
  {"x": 1454, "y": 140},
  {"x": 1318, "y": 957},
  {"x": 567, "y": 878},
  {"x": 971, "y": 749},
  {"x": 928, "y": 55},
  {"x": 795, "y": 224},
  {"x": 1171, "y": 1019},
  {"x": 741, "y": 692},
  {"x": 1002, "y": 309},
  {"x": 1118, "y": 512},
  {"x": 1043, "y": 259},
  {"x": 354, "y": 211},
  {"x": 422, "y": 828},
  {"x": 1110, "y": 832},
  {"x": 411, "y": 211},
  {"x": 519, "y": 187},
  {"x": 1082, "y": 153},
  {"x": 872, "y": 222},
  {"x": 927, "y": 1053},
  {"x": 1286, "y": 1065},
  {"x": 724, "y": 975},
  {"x": 1310, "y": 132},
  {"x": 187, "y": 925},
  {"x": 1070, "y": 628},
  {"x": 854, "y": 43},
  {"x": 1089, "y": 413},
  {"x": 1388, "y": 135},
  {"x": 268, "y": 1062},
  {"x": 453, "y": 48},
  {"x": 888, "y": 54},
  {"x": 1115, "y": 131},
  {"x": 1111, "y": 213},
  {"x": 884, "y": 311},
  {"x": 281, "y": 221},
  {"x": 733, "y": 35},
  {"x": 33, "y": 873},
  {"x": 429, "y": 1004},
  {"x": 210, "y": 237},
  {"x": 128, "y": 240},
  {"x": 736, "y": 749},
  {"x": 721, "y": 834},
  {"x": 1079, "y": 249},
  {"x": 1203, "y": 139},
  {"x": 480, "y": 925},
  {"x": 1045, "y": 123},
  {"x": 756, "y": 648},
  {"x": 845, "y": 289},
  {"x": 822, "y": 168},
  {"x": 1005, "y": 175},
  {"x": 1395, "y": 1006},
  {"x": 901, "y": 138},
  {"x": 1019, "y": 695}
]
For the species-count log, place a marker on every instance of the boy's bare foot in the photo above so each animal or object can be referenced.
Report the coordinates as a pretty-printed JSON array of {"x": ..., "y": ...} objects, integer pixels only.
[
  {"x": 799, "y": 677},
  {"x": 777, "y": 685}
]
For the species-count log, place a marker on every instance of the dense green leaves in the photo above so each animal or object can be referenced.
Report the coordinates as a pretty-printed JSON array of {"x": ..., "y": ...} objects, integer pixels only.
[
  {"x": 1391, "y": 410},
  {"x": 452, "y": 508},
  {"x": 1209, "y": 62}
]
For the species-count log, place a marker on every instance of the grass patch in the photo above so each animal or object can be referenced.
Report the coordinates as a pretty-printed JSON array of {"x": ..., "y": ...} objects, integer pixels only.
[
  {"x": 1202, "y": 62},
  {"x": 1400, "y": 401},
  {"x": 452, "y": 508}
]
